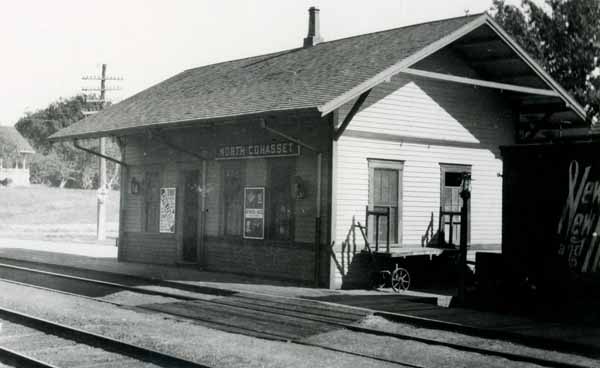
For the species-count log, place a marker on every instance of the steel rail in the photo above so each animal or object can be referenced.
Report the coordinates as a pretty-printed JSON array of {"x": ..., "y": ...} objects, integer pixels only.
[
  {"x": 351, "y": 327},
  {"x": 96, "y": 340},
  {"x": 16, "y": 359}
]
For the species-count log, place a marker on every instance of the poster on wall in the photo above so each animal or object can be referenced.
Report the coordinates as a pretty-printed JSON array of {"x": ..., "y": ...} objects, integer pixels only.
[
  {"x": 254, "y": 213},
  {"x": 167, "y": 210}
]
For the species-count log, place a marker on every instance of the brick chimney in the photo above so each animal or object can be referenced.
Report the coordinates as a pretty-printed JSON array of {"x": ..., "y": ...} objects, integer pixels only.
[{"x": 314, "y": 35}]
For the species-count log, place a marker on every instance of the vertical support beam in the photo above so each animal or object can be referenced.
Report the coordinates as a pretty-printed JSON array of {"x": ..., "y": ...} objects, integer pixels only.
[
  {"x": 124, "y": 188},
  {"x": 202, "y": 255},
  {"x": 317, "y": 273},
  {"x": 333, "y": 211},
  {"x": 102, "y": 194},
  {"x": 464, "y": 231},
  {"x": 102, "y": 190}
]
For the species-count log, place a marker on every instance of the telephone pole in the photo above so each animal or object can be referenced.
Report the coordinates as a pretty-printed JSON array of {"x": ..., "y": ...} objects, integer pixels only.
[{"x": 102, "y": 187}]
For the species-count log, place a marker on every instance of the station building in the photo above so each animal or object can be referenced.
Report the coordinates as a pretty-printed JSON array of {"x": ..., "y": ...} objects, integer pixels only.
[{"x": 260, "y": 165}]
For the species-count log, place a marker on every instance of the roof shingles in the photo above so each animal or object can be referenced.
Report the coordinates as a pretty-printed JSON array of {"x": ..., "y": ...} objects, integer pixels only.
[{"x": 293, "y": 79}]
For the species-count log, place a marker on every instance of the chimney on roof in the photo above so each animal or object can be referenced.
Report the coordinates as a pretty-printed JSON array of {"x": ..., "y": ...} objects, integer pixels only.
[{"x": 314, "y": 35}]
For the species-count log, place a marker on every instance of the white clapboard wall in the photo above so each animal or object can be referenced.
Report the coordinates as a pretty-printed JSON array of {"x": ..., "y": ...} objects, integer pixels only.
[{"x": 424, "y": 123}]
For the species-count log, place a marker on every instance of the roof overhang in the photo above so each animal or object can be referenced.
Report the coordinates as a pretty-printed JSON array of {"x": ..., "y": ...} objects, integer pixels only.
[
  {"x": 543, "y": 85},
  {"x": 191, "y": 123}
]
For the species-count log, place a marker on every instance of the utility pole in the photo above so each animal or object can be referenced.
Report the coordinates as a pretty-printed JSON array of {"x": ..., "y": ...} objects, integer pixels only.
[{"x": 102, "y": 187}]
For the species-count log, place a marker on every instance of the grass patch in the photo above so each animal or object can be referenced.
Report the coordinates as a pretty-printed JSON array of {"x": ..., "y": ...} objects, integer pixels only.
[{"x": 40, "y": 212}]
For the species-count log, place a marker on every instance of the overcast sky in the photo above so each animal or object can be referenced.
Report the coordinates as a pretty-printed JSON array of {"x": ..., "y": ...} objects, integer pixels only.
[{"x": 47, "y": 46}]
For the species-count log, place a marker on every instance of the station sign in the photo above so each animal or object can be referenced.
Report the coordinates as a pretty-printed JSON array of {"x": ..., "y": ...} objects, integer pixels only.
[{"x": 258, "y": 150}]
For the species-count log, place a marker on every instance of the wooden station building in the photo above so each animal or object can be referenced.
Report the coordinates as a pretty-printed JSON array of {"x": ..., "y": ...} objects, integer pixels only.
[{"x": 259, "y": 165}]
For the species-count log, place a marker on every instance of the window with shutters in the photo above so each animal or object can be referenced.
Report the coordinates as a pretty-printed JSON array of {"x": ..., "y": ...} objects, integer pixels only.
[
  {"x": 151, "y": 201},
  {"x": 451, "y": 201},
  {"x": 385, "y": 192}
]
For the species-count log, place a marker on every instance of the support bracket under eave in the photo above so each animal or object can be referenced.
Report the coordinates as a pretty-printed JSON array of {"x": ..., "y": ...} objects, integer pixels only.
[
  {"x": 263, "y": 124},
  {"x": 357, "y": 105},
  {"x": 168, "y": 143},
  {"x": 95, "y": 153}
]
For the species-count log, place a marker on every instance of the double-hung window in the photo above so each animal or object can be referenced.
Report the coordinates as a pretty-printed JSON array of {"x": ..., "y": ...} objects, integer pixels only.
[{"x": 385, "y": 192}]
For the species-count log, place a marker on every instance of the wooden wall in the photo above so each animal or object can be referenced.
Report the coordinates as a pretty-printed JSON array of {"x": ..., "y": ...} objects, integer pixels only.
[
  {"x": 294, "y": 260},
  {"x": 423, "y": 123}
]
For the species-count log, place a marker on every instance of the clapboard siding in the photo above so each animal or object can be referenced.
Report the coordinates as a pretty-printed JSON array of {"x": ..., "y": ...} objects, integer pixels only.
[{"x": 408, "y": 120}]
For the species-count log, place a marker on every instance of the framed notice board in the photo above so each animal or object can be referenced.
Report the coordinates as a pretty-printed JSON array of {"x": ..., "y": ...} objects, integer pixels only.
[
  {"x": 167, "y": 210},
  {"x": 254, "y": 213}
]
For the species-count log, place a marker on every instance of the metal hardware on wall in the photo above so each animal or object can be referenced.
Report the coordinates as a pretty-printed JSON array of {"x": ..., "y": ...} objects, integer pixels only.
[
  {"x": 299, "y": 190},
  {"x": 134, "y": 186}
]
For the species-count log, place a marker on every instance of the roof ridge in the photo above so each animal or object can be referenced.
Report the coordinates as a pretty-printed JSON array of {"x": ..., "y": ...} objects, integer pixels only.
[
  {"x": 404, "y": 27},
  {"x": 277, "y": 53}
]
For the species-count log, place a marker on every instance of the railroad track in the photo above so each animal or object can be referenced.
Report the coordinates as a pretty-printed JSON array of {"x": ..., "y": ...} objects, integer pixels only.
[
  {"x": 274, "y": 318},
  {"x": 29, "y": 341}
]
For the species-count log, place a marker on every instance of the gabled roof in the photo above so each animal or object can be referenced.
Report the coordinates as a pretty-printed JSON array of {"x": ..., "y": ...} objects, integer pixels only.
[
  {"x": 322, "y": 77},
  {"x": 12, "y": 135}
]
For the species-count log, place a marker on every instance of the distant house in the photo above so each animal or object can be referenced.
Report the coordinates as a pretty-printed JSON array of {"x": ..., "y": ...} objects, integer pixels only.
[{"x": 14, "y": 152}]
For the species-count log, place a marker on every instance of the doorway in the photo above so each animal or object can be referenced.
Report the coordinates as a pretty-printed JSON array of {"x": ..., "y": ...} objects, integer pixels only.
[{"x": 191, "y": 215}]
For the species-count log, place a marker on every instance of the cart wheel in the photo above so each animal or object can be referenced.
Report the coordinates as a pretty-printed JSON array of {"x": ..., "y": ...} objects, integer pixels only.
[{"x": 400, "y": 279}]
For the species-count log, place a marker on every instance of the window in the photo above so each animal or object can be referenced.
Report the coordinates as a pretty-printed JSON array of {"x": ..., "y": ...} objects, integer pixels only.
[
  {"x": 151, "y": 201},
  {"x": 232, "y": 199},
  {"x": 451, "y": 201},
  {"x": 280, "y": 204},
  {"x": 385, "y": 188}
]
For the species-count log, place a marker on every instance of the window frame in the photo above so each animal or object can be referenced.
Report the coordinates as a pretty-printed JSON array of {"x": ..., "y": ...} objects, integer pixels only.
[
  {"x": 398, "y": 165},
  {"x": 456, "y": 168}
]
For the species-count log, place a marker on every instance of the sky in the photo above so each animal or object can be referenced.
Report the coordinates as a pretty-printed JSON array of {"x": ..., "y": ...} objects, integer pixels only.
[{"x": 47, "y": 46}]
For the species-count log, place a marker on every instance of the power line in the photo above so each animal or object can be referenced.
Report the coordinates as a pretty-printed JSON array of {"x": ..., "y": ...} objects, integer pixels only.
[{"x": 100, "y": 104}]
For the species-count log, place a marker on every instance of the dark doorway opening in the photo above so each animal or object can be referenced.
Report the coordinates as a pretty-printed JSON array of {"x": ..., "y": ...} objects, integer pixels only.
[{"x": 190, "y": 215}]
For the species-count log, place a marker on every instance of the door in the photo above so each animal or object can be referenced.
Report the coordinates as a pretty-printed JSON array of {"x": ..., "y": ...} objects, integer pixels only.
[
  {"x": 191, "y": 215},
  {"x": 451, "y": 201}
]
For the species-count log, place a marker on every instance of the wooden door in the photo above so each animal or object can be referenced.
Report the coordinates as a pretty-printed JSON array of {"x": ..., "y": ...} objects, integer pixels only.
[
  {"x": 385, "y": 186},
  {"x": 191, "y": 215},
  {"x": 451, "y": 202}
]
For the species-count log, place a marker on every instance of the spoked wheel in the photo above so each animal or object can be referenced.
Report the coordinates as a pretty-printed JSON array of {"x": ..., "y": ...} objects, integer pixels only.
[{"x": 400, "y": 279}]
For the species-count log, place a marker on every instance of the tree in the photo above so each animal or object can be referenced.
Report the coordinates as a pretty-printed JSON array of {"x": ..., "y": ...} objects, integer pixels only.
[
  {"x": 62, "y": 164},
  {"x": 52, "y": 170},
  {"x": 8, "y": 151},
  {"x": 564, "y": 36}
]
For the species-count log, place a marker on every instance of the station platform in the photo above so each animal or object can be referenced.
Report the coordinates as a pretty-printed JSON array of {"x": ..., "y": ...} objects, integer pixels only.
[{"x": 428, "y": 305}]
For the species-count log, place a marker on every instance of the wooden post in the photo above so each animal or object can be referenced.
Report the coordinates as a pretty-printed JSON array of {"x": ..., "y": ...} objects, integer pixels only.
[
  {"x": 204, "y": 212},
  {"x": 464, "y": 230},
  {"x": 102, "y": 190},
  {"x": 317, "y": 269}
]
